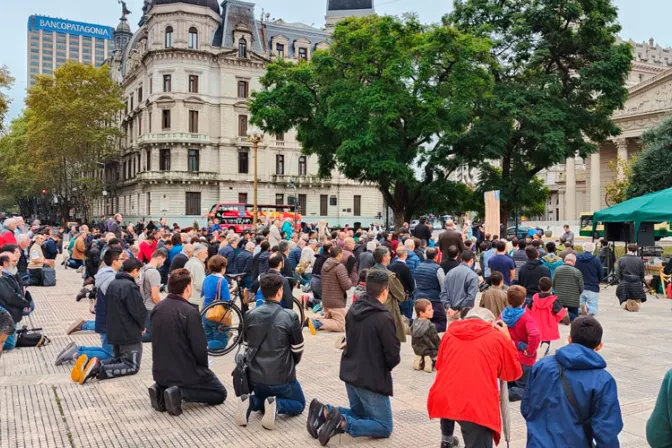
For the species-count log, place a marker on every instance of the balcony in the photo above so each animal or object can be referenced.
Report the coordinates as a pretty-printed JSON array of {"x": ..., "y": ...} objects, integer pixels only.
[
  {"x": 299, "y": 181},
  {"x": 177, "y": 176},
  {"x": 173, "y": 137},
  {"x": 284, "y": 145}
]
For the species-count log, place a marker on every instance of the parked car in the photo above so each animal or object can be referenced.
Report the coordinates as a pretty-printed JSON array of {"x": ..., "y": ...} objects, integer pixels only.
[
  {"x": 414, "y": 223},
  {"x": 523, "y": 231}
]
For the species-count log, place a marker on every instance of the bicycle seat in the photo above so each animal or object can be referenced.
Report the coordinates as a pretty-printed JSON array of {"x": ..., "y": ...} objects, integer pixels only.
[{"x": 243, "y": 274}]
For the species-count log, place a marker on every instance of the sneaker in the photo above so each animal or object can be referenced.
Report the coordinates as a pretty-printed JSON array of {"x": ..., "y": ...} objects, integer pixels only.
[
  {"x": 67, "y": 354},
  {"x": 90, "y": 371},
  {"x": 75, "y": 327},
  {"x": 82, "y": 293},
  {"x": 452, "y": 443},
  {"x": 340, "y": 343},
  {"x": 156, "y": 397},
  {"x": 417, "y": 363},
  {"x": 315, "y": 417},
  {"x": 311, "y": 326},
  {"x": 331, "y": 427},
  {"x": 317, "y": 308},
  {"x": 270, "y": 412},
  {"x": 428, "y": 365},
  {"x": 173, "y": 399},
  {"x": 243, "y": 410},
  {"x": 78, "y": 369}
]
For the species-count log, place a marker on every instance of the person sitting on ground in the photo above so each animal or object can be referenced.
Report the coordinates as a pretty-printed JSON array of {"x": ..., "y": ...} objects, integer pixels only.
[
  {"x": 425, "y": 339},
  {"x": 372, "y": 351},
  {"x": 335, "y": 286},
  {"x": 631, "y": 272},
  {"x": 524, "y": 335},
  {"x": 126, "y": 319},
  {"x": 547, "y": 312},
  {"x": 150, "y": 283},
  {"x": 474, "y": 354},
  {"x": 494, "y": 298},
  {"x": 571, "y": 400},
  {"x": 274, "y": 335},
  {"x": 460, "y": 287},
  {"x": 531, "y": 272},
  {"x": 180, "y": 352}
]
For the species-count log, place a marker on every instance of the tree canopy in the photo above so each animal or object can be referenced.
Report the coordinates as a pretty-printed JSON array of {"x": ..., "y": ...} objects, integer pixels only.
[
  {"x": 559, "y": 76},
  {"x": 383, "y": 105},
  {"x": 652, "y": 170},
  {"x": 6, "y": 82}
]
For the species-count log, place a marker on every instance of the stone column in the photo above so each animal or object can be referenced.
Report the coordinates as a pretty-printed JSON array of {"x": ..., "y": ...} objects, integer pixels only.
[
  {"x": 595, "y": 184},
  {"x": 622, "y": 147},
  {"x": 570, "y": 193}
]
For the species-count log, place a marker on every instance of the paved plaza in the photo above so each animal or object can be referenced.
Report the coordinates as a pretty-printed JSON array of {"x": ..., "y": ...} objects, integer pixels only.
[{"x": 41, "y": 407}]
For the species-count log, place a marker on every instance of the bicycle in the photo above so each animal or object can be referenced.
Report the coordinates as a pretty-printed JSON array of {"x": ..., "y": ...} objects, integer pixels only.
[{"x": 226, "y": 332}]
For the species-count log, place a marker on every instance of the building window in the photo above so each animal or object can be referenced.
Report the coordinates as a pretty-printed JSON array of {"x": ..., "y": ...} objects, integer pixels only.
[
  {"x": 148, "y": 205},
  {"x": 242, "y": 48},
  {"x": 243, "y": 162},
  {"x": 149, "y": 118},
  {"x": 243, "y": 89},
  {"x": 166, "y": 83},
  {"x": 279, "y": 199},
  {"x": 303, "y": 203},
  {"x": 279, "y": 164},
  {"x": 193, "y": 204},
  {"x": 193, "y": 38},
  {"x": 357, "y": 208},
  {"x": 139, "y": 124},
  {"x": 193, "y": 121},
  {"x": 242, "y": 125},
  {"x": 139, "y": 95},
  {"x": 194, "y": 160},
  {"x": 242, "y": 198},
  {"x": 148, "y": 159},
  {"x": 131, "y": 102},
  {"x": 151, "y": 86},
  {"x": 303, "y": 166},
  {"x": 193, "y": 83},
  {"x": 165, "y": 120},
  {"x": 324, "y": 201},
  {"x": 303, "y": 53},
  {"x": 280, "y": 50},
  {"x": 164, "y": 160},
  {"x": 169, "y": 37}
]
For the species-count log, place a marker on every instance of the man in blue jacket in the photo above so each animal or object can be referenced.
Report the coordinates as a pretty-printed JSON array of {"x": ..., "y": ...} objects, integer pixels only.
[
  {"x": 570, "y": 399},
  {"x": 591, "y": 268}
]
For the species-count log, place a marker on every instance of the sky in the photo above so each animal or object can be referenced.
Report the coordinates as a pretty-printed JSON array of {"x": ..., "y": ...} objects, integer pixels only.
[{"x": 640, "y": 19}]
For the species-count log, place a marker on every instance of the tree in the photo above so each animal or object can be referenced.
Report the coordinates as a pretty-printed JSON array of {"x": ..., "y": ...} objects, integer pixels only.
[
  {"x": 617, "y": 191},
  {"x": 72, "y": 130},
  {"x": 652, "y": 170},
  {"x": 6, "y": 82},
  {"x": 525, "y": 199},
  {"x": 383, "y": 104},
  {"x": 559, "y": 77}
]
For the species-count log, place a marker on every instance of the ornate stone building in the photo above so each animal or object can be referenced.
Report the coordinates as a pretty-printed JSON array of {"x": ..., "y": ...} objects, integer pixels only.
[{"x": 187, "y": 75}]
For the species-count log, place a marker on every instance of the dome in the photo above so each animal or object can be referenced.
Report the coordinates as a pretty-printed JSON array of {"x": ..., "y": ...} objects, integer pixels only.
[
  {"x": 212, "y": 4},
  {"x": 123, "y": 27}
]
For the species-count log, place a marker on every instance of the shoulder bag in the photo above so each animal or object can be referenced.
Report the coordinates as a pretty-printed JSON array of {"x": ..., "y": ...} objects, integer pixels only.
[{"x": 585, "y": 423}]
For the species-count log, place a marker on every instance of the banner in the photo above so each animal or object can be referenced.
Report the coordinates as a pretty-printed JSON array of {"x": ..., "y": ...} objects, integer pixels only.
[{"x": 492, "y": 213}]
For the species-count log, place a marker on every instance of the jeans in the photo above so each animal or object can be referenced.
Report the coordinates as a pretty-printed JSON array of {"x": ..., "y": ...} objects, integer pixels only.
[
  {"x": 103, "y": 352},
  {"x": 573, "y": 312},
  {"x": 517, "y": 388},
  {"x": 212, "y": 392},
  {"x": 89, "y": 325},
  {"x": 147, "y": 337},
  {"x": 475, "y": 436},
  {"x": 75, "y": 264},
  {"x": 406, "y": 308},
  {"x": 289, "y": 397},
  {"x": 10, "y": 342},
  {"x": 370, "y": 414},
  {"x": 591, "y": 299},
  {"x": 216, "y": 335},
  {"x": 126, "y": 362}
]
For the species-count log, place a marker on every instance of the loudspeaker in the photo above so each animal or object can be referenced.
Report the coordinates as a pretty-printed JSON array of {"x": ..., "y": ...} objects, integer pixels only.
[
  {"x": 646, "y": 236},
  {"x": 620, "y": 231}
]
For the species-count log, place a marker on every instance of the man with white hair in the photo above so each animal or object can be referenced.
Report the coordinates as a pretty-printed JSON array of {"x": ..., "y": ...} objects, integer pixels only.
[
  {"x": 592, "y": 271},
  {"x": 23, "y": 241},
  {"x": 366, "y": 260},
  {"x": 196, "y": 267},
  {"x": 450, "y": 237},
  {"x": 7, "y": 232},
  {"x": 413, "y": 260},
  {"x": 274, "y": 236},
  {"x": 568, "y": 286}
]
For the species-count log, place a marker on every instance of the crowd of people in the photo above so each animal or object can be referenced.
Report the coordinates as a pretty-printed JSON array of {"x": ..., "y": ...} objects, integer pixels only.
[{"x": 148, "y": 283}]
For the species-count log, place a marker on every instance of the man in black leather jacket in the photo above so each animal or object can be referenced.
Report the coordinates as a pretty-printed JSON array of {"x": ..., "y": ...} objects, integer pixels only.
[
  {"x": 12, "y": 298},
  {"x": 275, "y": 346}
]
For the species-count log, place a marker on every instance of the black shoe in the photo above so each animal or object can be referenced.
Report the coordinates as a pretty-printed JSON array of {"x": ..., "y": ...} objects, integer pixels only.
[
  {"x": 331, "y": 427},
  {"x": 81, "y": 294},
  {"x": 453, "y": 443},
  {"x": 173, "y": 400},
  {"x": 315, "y": 417},
  {"x": 156, "y": 397}
]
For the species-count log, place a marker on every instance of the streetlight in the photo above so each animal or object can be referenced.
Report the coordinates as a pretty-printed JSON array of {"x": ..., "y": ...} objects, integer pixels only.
[{"x": 254, "y": 135}]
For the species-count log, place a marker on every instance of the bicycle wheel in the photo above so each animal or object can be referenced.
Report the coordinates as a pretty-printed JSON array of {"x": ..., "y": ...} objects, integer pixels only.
[
  {"x": 224, "y": 329},
  {"x": 298, "y": 309}
]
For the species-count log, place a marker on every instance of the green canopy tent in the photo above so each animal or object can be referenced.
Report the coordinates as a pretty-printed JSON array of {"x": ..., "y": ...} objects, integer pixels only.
[{"x": 653, "y": 207}]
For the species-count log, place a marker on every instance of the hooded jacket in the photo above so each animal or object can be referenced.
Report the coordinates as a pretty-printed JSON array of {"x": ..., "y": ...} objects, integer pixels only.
[
  {"x": 552, "y": 262},
  {"x": 551, "y": 419},
  {"x": 472, "y": 356},
  {"x": 659, "y": 426},
  {"x": 524, "y": 333},
  {"x": 103, "y": 279},
  {"x": 425, "y": 340},
  {"x": 335, "y": 284},
  {"x": 126, "y": 311},
  {"x": 547, "y": 312},
  {"x": 591, "y": 268},
  {"x": 372, "y": 348},
  {"x": 529, "y": 275}
]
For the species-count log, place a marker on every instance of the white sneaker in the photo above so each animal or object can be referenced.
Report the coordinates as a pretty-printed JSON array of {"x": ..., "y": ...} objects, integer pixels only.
[
  {"x": 270, "y": 411},
  {"x": 243, "y": 410}
]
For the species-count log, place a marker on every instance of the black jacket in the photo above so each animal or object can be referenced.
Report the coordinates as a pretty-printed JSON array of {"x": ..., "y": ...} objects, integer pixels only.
[
  {"x": 126, "y": 312},
  {"x": 179, "y": 261},
  {"x": 11, "y": 297},
  {"x": 179, "y": 346},
  {"x": 287, "y": 296},
  {"x": 372, "y": 349},
  {"x": 404, "y": 275},
  {"x": 530, "y": 274},
  {"x": 277, "y": 356},
  {"x": 423, "y": 232},
  {"x": 447, "y": 264}
]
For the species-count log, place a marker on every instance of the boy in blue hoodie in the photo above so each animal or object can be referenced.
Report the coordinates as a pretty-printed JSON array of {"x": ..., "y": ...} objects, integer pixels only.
[{"x": 570, "y": 399}]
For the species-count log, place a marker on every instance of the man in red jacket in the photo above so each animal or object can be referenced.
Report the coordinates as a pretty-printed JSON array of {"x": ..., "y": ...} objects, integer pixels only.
[
  {"x": 7, "y": 231},
  {"x": 474, "y": 354}
]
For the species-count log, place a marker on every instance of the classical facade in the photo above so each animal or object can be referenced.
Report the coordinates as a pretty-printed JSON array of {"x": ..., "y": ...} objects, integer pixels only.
[
  {"x": 187, "y": 75},
  {"x": 579, "y": 185}
]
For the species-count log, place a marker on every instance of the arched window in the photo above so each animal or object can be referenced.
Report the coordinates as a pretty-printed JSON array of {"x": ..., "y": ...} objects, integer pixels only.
[
  {"x": 242, "y": 48},
  {"x": 193, "y": 38},
  {"x": 169, "y": 37}
]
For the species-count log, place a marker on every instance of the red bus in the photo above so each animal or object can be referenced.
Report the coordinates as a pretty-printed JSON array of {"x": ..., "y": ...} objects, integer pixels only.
[
  {"x": 231, "y": 216},
  {"x": 277, "y": 211}
]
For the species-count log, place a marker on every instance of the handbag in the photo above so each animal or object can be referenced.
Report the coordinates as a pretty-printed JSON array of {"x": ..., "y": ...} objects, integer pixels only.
[
  {"x": 241, "y": 374},
  {"x": 220, "y": 314},
  {"x": 31, "y": 338},
  {"x": 585, "y": 423},
  {"x": 48, "y": 276}
]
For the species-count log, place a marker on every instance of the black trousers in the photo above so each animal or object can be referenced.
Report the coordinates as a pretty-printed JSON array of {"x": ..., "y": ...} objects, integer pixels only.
[
  {"x": 212, "y": 392},
  {"x": 35, "y": 276},
  {"x": 475, "y": 436},
  {"x": 439, "y": 320},
  {"x": 126, "y": 362}
]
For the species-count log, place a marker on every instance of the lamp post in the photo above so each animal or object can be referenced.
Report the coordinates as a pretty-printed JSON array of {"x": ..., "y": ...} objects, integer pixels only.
[{"x": 254, "y": 135}]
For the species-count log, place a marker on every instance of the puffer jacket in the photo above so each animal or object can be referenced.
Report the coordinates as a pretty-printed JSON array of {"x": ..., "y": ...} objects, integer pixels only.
[
  {"x": 425, "y": 340},
  {"x": 335, "y": 284}
]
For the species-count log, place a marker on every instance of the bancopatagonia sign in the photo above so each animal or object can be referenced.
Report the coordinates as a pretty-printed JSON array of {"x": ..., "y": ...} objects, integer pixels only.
[{"x": 36, "y": 23}]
